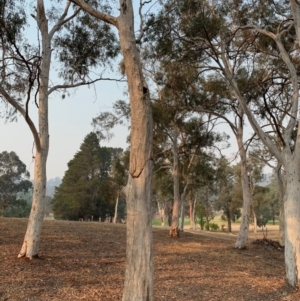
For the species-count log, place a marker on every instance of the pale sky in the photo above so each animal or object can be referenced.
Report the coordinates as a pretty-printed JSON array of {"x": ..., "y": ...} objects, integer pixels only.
[{"x": 69, "y": 122}]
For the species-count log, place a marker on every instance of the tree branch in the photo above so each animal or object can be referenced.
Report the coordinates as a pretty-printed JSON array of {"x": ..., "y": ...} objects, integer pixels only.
[
  {"x": 26, "y": 117},
  {"x": 57, "y": 87},
  {"x": 62, "y": 19},
  {"x": 97, "y": 14}
]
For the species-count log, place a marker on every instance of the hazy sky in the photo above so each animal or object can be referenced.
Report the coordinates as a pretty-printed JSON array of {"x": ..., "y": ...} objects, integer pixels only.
[{"x": 69, "y": 122}]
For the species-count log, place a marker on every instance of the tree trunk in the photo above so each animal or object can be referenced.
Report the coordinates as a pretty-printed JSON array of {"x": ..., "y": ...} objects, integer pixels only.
[
  {"x": 139, "y": 275},
  {"x": 281, "y": 223},
  {"x": 191, "y": 211},
  {"x": 182, "y": 201},
  {"x": 292, "y": 222},
  {"x": 116, "y": 208},
  {"x": 282, "y": 195},
  {"x": 229, "y": 221},
  {"x": 32, "y": 237},
  {"x": 254, "y": 221},
  {"x": 174, "y": 231},
  {"x": 161, "y": 211},
  {"x": 242, "y": 238}
]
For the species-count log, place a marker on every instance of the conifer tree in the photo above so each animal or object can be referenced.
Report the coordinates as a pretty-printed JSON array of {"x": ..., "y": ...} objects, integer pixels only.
[{"x": 87, "y": 189}]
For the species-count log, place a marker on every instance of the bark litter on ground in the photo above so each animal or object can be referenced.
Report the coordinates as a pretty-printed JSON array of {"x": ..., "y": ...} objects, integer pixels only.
[{"x": 86, "y": 261}]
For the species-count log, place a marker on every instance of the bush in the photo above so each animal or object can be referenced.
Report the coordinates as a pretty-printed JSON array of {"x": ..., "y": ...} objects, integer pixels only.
[{"x": 214, "y": 227}]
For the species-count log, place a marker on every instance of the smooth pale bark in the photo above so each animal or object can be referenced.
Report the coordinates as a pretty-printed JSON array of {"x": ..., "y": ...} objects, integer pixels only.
[
  {"x": 292, "y": 222},
  {"x": 162, "y": 210},
  {"x": 139, "y": 275},
  {"x": 31, "y": 241},
  {"x": 174, "y": 230},
  {"x": 242, "y": 238},
  {"x": 116, "y": 208},
  {"x": 282, "y": 195},
  {"x": 254, "y": 221},
  {"x": 289, "y": 158}
]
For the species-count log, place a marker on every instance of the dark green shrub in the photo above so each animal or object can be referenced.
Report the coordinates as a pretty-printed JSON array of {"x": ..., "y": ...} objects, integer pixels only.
[{"x": 214, "y": 227}]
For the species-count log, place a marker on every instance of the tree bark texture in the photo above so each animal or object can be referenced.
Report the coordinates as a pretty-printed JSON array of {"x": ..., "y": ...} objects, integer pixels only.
[
  {"x": 31, "y": 241},
  {"x": 292, "y": 222},
  {"x": 242, "y": 238},
  {"x": 139, "y": 273},
  {"x": 182, "y": 209},
  {"x": 191, "y": 212},
  {"x": 282, "y": 195},
  {"x": 174, "y": 230},
  {"x": 116, "y": 208}
]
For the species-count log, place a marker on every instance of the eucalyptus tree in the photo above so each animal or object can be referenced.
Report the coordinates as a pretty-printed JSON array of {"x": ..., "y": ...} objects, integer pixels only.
[
  {"x": 163, "y": 193},
  {"x": 206, "y": 34},
  {"x": 119, "y": 175},
  {"x": 255, "y": 176},
  {"x": 281, "y": 38},
  {"x": 261, "y": 152},
  {"x": 194, "y": 30},
  {"x": 25, "y": 69},
  {"x": 186, "y": 135},
  {"x": 139, "y": 254},
  {"x": 224, "y": 183},
  {"x": 13, "y": 181}
]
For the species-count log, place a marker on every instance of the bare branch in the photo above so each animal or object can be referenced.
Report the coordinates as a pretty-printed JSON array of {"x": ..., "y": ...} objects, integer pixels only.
[
  {"x": 162, "y": 167},
  {"x": 83, "y": 83},
  {"x": 62, "y": 19},
  {"x": 24, "y": 114},
  {"x": 142, "y": 30}
]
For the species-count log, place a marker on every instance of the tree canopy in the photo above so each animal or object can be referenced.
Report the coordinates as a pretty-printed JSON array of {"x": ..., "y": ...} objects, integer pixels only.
[
  {"x": 13, "y": 183},
  {"x": 87, "y": 188}
]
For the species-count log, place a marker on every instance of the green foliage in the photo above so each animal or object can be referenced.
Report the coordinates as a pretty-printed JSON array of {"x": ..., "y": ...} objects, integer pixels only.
[
  {"x": 12, "y": 20},
  {"x": 204, "y": 212},
  {"x": 13, "y": 185},
  {"x": 87, "y": 188},
  {"x": 20, "y": 209},
  {"x": 84, "y": 43},
  {"x": 214, "y": 227}
]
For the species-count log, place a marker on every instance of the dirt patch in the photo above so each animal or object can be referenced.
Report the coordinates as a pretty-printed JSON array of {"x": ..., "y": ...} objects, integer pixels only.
[{"x": 86, "y": 261}]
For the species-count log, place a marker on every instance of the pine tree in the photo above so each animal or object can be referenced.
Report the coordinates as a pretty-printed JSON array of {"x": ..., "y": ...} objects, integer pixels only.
[{"x": 87, "y": 189}]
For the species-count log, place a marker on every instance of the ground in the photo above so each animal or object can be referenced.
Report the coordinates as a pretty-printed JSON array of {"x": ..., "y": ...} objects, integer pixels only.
[{"x": 86, "y": 261}]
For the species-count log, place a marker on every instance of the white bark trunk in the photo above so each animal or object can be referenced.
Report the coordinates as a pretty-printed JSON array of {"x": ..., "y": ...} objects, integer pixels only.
[
  {"x": 31, "y": 241},
  {"x": 242, "y": 238},
  {"x": 116, "y": 208},
  {"x": 254, "y": 221},
  {"x": 282, "y": 195},
  {"x": 292, "y": 223}
]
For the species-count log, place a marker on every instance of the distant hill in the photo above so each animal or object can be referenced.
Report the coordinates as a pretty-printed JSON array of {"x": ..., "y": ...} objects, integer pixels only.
[{"x": 51, "y": 184}]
